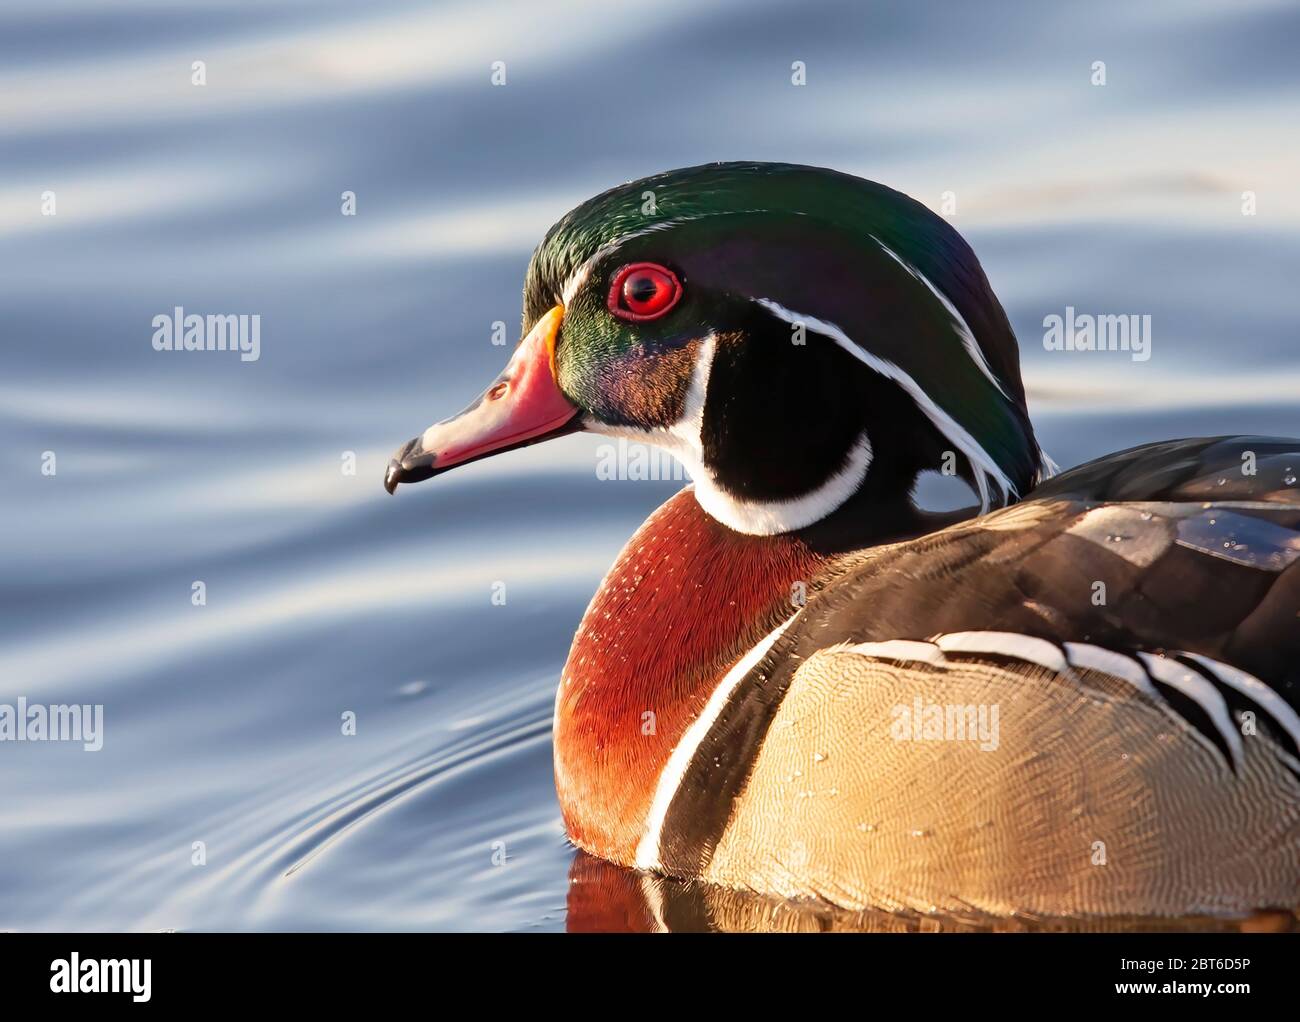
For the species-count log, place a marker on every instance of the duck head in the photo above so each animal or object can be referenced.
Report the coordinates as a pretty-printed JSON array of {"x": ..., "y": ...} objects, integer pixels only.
[{"x": 804, "y": 341}]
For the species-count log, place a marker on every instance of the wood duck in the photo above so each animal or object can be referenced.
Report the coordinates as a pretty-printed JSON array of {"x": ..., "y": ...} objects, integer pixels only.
[{"x": 1077, "y": 696}]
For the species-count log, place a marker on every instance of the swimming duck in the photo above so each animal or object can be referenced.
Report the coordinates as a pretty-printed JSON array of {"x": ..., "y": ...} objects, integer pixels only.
[{"x": 1076, "y": 696}]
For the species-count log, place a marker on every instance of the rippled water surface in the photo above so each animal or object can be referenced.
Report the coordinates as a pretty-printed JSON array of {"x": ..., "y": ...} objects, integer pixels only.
[{"x": 324, "y": 595}]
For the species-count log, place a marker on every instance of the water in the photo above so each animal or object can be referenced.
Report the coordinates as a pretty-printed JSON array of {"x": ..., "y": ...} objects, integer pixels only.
[{"x": 324, "y": 595}]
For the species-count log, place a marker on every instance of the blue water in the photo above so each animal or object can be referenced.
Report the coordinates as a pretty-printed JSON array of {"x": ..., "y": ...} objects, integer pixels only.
[{"x": 223, "y": 722}]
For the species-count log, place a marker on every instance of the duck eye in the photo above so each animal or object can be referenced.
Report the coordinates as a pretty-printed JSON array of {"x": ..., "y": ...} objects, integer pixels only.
[{"x": 643, "y": 291}]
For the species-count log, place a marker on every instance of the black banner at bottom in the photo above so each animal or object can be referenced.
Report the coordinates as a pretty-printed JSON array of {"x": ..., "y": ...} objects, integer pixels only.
[{"x": 337, "y": 971}]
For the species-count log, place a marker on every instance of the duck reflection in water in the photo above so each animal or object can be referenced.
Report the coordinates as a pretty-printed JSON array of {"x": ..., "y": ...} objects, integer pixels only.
[{"x": 605, "y": 898}]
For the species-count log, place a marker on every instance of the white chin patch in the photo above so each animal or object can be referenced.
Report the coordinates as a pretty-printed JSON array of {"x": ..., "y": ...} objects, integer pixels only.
[{"x": 683, "y": 440}]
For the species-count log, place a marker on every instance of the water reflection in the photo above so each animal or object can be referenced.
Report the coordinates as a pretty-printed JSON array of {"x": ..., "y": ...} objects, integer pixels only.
[{"x": 604, "y": 898}]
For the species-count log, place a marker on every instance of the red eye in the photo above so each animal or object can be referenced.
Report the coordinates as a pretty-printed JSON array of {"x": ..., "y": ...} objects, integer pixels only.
[{"x": 643, "y": 291}]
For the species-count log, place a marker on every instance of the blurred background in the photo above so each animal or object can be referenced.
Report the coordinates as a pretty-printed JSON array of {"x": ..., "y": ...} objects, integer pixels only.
[{"x": 222, "y": 722}]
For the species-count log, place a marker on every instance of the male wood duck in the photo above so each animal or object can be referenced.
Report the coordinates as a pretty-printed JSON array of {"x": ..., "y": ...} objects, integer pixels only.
[{"x": 1076, "y": 697}]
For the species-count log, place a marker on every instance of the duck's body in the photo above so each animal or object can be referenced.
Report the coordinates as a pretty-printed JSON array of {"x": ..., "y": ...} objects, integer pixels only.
[
  {"x": 795, "y": 681},
  {"x": 1094, "y": 761}
]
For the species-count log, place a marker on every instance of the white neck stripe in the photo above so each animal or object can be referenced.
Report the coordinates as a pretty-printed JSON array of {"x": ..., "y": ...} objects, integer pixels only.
[{"x": 758, "y": 518}]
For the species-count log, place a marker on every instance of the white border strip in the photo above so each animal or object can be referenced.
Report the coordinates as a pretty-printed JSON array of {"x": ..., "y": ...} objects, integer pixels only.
[{"x": 670, "y": 778}]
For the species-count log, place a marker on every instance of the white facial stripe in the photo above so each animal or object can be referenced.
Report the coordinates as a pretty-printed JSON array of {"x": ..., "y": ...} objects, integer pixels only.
[
  {"x": 684, "y": 440},
  {"x": 1046, "y": 466},
  {"x": 963, "y": 331},
  {"x": 579, "y": 276},
  {"x": 985, "y": 468},
  {"x": 670, "y": 778},
  {"x": 688, "y": 431}
]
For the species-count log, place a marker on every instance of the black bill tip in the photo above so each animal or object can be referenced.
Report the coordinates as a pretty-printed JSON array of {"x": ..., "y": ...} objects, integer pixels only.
[
  {"x": 409, "y": 464},
  {"x": 393, "y": 476}
]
